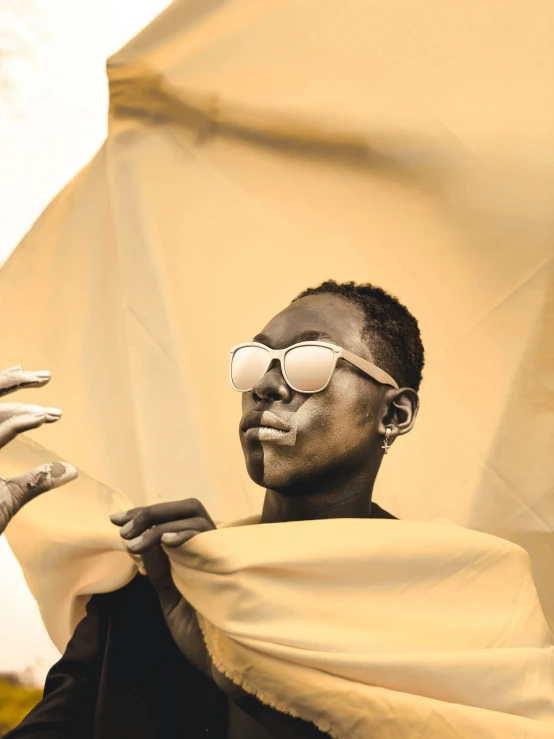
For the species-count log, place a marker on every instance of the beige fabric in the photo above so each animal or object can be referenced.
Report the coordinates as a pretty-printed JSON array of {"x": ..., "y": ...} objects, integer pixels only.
[
  {"x": 377, "y": 628},
  {"x": 67, "y": 546},
  {"x": 255, "y": 149},
  {"x": 364, "y": 627}
]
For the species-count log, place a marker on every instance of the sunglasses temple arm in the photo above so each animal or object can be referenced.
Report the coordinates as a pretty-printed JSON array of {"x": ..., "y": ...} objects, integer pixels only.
[{"x": 369, "y": 368}]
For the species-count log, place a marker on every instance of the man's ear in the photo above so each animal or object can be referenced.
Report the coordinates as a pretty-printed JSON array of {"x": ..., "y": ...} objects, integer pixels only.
[{"x": 401, "y": 407}]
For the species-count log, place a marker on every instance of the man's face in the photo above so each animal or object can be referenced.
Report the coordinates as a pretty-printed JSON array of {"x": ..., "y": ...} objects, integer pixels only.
[{"x": 336, "y": 430}]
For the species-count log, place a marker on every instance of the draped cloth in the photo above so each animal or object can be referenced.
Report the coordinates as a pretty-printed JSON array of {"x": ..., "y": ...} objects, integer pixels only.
[
  {"x": 255, "y": 149},
  {"x": 365, "y": 627},
  {"x": 377, "y": 628}
]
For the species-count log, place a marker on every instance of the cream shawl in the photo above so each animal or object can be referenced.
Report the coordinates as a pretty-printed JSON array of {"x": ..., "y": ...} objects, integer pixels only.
[{"x": 367, "y": 628}]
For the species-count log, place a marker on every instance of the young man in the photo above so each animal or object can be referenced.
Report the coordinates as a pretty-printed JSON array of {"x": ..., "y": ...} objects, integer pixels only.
[{"x": 327, "y": 387}]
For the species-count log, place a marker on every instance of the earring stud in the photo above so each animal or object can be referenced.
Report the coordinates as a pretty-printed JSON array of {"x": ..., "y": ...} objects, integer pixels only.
[{"x": 386, "y": 443}]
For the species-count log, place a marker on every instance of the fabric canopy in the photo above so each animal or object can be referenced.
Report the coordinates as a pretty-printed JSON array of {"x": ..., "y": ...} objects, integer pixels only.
[{"x": 256, "y": 149}]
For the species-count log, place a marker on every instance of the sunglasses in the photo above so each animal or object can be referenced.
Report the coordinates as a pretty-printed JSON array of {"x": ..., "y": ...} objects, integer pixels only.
[{"x": 306, "y": 367}]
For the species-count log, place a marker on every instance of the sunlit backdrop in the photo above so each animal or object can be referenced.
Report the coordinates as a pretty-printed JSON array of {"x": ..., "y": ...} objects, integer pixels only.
[{"x": 53, "y": 118}]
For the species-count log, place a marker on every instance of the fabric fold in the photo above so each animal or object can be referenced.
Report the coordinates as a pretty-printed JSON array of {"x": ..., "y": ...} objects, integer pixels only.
[
  {"x": 361, "y": 626},
  {"x": 370, "y": 626}
]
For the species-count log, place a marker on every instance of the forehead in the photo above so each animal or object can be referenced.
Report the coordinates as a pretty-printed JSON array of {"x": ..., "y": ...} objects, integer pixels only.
[{"x": 327, "y": 317}]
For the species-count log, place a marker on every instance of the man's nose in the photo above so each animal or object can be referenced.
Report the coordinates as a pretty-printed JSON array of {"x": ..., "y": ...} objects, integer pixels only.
[{"x": 272, "y": 385}]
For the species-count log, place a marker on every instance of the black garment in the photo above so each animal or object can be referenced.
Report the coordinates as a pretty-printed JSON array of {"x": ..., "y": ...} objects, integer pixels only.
[{"x": 123, "y": 676}]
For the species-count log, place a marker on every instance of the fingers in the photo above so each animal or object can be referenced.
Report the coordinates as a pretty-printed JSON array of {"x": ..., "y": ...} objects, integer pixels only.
[
  {"x": 14, "y": 378},
  {"x": 171, "y": 524},
  {"x": 138, "y": 520},
  {"x": 138, "y": 560},
  {"x": 184, "y": 530},
  {"x": 18, "y": 418},
  {"x": 174, "y": 539},
  {"x": 8, "y": 410},
  {"x": 42, "y": 478},
  {"x": 17, "y": 491}
]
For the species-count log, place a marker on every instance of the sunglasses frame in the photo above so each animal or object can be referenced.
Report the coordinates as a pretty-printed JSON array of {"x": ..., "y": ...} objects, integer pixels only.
[{"x": 338, "y": 353}]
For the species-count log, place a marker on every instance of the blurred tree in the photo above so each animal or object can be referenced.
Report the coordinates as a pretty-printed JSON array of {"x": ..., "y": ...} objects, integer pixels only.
[
  {"x": 20, "y": 31},
  {"x": 17, "y": 698}
]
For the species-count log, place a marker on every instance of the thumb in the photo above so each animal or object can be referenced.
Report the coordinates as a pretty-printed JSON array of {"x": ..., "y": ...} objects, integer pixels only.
[
  {"x": 157, "y": 566},
  {"x": 17, "y": 491}
]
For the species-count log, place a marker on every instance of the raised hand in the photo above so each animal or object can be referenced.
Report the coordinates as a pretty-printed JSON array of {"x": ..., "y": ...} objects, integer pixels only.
[
  {"x": 172, "y": 524},
  {"x": 16, "y": 418},
  {"x": 143, "y": 530}
]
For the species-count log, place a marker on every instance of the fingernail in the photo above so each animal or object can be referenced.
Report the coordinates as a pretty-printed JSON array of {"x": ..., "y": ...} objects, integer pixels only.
[
  {"x": 58, "y": 469},
  {"x": 42, "y": 374},
  {"x": 118, "y": 517},
  {"x": 61, "y": 472},
  {"x": 53, "y": 411},
  {"x": 62, "y": 469},
  {"x": 133, "y": 543},
  {"x": 169, "y": 536},
  {"x": 127, "y": 528}
]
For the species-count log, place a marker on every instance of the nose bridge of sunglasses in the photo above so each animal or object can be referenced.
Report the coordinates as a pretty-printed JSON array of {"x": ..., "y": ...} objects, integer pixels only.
[
  {"x": 272, "y": 362},
  {"x": 262, "y": 376},
  {"x": 275, "y": 362}
]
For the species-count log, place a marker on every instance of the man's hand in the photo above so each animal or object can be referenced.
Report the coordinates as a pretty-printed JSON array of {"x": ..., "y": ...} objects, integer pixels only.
[
  {"x": 172, "y": 524},
  {"x": 16, "y": 418}
]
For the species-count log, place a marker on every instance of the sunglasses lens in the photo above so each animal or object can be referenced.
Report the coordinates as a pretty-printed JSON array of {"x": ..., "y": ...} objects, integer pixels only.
[
  {"x": 248, "y": 365},
  {"x": 309, "y": 368}
]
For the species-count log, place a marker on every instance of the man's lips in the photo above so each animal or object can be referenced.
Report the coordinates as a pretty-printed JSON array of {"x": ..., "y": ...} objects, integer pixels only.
[
  {"x": 266, "y": 419},
  {"x": 274, "y": 428}
]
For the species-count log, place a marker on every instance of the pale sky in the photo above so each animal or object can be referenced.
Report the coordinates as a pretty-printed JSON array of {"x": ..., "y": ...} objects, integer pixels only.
[{"x": 52, "y": 122}]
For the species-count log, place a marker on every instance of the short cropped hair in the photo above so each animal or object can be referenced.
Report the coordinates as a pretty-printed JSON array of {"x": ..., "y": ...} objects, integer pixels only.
[{"x": 390, "y": 328}]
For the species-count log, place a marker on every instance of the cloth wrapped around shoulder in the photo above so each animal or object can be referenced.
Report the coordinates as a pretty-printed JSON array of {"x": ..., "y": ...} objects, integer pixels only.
[{"x": 367, "y": 628}]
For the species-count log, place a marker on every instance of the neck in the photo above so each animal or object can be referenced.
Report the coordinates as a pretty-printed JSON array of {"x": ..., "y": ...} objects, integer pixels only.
[{"x": 350, "y": 498}]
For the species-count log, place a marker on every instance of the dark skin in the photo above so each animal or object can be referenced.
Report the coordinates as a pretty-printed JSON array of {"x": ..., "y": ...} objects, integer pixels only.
[{"x": 329, "y": 472}]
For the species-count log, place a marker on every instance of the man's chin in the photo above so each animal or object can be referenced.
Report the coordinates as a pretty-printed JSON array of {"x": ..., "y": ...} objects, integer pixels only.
[
  {"x": 278, "y": 469},
  {"x": 282, "y": 481},
  {"x": 274, "y": 479}
]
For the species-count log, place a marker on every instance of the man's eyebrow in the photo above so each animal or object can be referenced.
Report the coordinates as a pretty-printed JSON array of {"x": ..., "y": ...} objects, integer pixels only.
[{"x": 304, "y": 336}]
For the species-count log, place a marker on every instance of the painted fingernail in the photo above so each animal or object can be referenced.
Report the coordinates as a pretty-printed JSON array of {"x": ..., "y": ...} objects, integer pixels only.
[
  {"x": 58, "y": 469},
  {"x": 61, "y": 472},
  {"x": 118, "y": 517},
  {"x": 134, "y": 543},
  {"x": 61, "y": 469},
  {"x": 169, "y": 536},
  {"x": 127, "y": 528}
]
